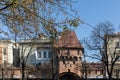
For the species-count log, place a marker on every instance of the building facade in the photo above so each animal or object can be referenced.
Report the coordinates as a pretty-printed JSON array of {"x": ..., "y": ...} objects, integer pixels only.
[
  {"x": 37, "y": 51},
  {"x": 93, "y": 70},
  {"x": 113, "y": 52},
  {"x": 6, "y": 52},
  {"x": 69, "y": 54},
  {"x": 65, "y": 57}
]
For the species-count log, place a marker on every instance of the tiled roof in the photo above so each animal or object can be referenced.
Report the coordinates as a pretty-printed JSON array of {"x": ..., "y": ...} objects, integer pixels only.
[
  {"x": 69, "y": 39},
  {"x": 95, "y": 66}
]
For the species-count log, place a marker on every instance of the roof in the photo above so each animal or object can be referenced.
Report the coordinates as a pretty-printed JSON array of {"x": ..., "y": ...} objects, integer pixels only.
[
  {"x": 69, "y": 39},
  {"x": 34, "y": 41},
  {"x": 113, "y": 35},
  {"x": 95, "y": 66},
  {"x": 7, "y": 41}
]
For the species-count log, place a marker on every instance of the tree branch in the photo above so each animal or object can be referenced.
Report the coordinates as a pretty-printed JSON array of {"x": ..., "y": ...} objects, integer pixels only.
[{"x": 7, "y": 6}]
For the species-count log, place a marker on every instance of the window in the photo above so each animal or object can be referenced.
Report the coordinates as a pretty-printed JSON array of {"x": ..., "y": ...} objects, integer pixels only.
[
  {"x": 68, "y": 52},
  {"x": 44, "y": 54},
  {"x": 4, "y": 51},
  {"x": 5, "y": 62},
  {"x": 49, "y": 54},
  {"x": 39, "y": 54},
  {"x": 117, "y": 45}
]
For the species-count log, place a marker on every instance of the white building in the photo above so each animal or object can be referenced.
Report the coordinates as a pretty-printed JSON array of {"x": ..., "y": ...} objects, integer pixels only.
[
  {"x": 35, "y": 51},
  {"x": 6, "y": 52},
  {"x": 113, "y": 52}
]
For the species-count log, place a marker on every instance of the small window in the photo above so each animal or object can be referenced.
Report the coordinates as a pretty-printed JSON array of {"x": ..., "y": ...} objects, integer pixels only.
[
  {"x": 49, "y": 54},
  {"x": 4, "y": 51},
  {"x": 65, "y": 65},
  {"x": 68, "y": 52},
  {"x": 96, "y": 72},
  {"x": 39, "y": 54},
  {"x": 117, "y": 45},
  {"x": 101, "y": 71},
  {"x": 78, "y": 52},
  {"x": 89, "y": 72},
  {"x": 5, "y": 62},
  {"x": 45, "y": 54},
  {"x": 68, "y": 70},
  {"x": 75, "y": 58}
]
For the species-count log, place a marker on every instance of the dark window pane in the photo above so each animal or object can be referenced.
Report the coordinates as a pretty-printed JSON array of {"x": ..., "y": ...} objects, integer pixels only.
[
  {"x": 49, "y": 55},
  {"x": 4, "y": 51},
  {"x": 117, "y": 44},
  {"x": 45, "y": 54}
]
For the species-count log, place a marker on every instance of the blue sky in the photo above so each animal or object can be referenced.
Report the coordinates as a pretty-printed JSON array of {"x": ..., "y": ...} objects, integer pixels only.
[{"x": 96, "y": 11}]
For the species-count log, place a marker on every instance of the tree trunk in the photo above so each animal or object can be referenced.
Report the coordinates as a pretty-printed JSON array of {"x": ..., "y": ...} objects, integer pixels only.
[
  {"x": 110, "y": 76},
  {"x": 23, "y": 71},
  {"x": 110, "y": 71}
]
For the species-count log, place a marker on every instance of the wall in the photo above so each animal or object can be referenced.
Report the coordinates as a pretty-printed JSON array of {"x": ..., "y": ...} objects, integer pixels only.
[{"x": 71, "y": 65}]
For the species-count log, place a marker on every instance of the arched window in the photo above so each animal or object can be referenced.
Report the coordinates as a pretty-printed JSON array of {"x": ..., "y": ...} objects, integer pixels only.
[
  {"x": 75, "y": 58},
  {"x": 70, "y": 58}
]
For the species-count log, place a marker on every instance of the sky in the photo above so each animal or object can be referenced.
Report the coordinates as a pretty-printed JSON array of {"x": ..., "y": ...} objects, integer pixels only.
[{"x": 94, "y": 12}]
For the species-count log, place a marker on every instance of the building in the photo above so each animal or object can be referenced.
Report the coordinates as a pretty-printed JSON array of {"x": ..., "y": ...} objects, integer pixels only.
[
  {"x": 37, "y": 54},
  {"x": 113, "y": 52},
  {"x": 6, "y": 57},
  {"x": 36, "y": 51},
  {"x": 63, "y": 60},
  {"x": 69, "y": 55},
  {"x": 6, "y": 52},
  {"x": 93, "y": 70}
]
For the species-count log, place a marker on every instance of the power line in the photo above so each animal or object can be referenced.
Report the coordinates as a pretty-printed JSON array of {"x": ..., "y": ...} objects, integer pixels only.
[{"x": 84, "y": 22}]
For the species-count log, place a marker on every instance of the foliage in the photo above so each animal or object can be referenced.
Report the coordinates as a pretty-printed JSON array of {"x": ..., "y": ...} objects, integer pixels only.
[
  {"x": 25, "y": 19},
  {"x": 33, "y": 16}
]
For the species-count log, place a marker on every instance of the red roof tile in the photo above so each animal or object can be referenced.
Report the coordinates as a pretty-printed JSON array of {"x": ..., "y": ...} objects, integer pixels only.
[{"x": 69, "y": 39}]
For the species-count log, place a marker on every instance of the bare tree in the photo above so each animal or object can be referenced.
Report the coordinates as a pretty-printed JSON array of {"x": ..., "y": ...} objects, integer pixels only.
[
  {"x": 25, "y": 51},
  {"x": 26, "y": 40},
  {"x": 100, "y": 43},
  {"x": 84, "y": 67}
]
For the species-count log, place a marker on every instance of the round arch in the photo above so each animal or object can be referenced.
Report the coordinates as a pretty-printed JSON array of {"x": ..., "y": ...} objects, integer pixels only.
[{"x": 68, "y": 76}]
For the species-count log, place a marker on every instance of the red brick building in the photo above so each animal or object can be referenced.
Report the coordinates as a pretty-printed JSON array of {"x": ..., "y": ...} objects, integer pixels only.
[{"x": 69, "y": 54}]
